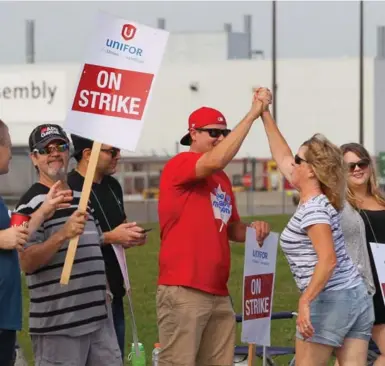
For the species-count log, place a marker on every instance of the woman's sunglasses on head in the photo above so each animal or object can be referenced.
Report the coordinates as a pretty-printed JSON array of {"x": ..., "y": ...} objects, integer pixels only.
[{"x": 215, "y": 132}]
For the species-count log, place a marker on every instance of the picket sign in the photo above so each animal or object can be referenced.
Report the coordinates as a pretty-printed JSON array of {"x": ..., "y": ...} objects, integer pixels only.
[
  {"x": 112, "y": 95},
  {"x": 258, "y": 288},
  {"x": 110, "y": 102},
  {"x": 378, "y": 251}
]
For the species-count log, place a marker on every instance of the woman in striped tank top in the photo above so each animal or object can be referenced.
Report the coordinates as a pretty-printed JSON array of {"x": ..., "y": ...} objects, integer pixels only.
[{"x": 335, "y": 311}]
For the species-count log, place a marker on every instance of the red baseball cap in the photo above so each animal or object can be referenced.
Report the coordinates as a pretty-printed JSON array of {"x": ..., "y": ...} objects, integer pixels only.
[{"x": 202, "y": 117}]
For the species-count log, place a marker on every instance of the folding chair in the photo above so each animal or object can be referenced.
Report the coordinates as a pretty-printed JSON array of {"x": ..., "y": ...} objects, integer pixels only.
[{"x": 241, "y": 352}]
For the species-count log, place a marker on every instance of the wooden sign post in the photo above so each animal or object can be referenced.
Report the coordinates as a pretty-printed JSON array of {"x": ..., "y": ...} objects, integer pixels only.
[
  {"x": 88, "y": 180},
  {"x": 251, "y": 355}
]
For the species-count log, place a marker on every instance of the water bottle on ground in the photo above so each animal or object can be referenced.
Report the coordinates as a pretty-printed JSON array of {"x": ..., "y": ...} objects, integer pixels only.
[
  {"x": 155, "y": 354},
  {"x": 137, "y": 360},
  {"x": 20, "y": 359}
]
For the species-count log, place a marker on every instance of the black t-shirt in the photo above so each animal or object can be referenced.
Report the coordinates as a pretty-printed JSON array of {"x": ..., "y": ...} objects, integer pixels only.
[{"x": 107, "y": 201}]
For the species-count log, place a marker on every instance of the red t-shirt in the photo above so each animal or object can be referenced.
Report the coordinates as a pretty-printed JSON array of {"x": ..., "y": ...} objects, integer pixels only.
[{"x": 193, "y": 217}]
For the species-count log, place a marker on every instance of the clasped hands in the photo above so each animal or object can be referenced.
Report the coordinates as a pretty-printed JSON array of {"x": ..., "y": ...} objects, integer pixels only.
[
  {"x": 262, "y": 98},
  {"x": 263, "y": 95}
]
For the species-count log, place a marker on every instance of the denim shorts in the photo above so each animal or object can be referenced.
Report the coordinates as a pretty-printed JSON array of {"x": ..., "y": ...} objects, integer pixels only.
[{"x": 336, "y": 315}]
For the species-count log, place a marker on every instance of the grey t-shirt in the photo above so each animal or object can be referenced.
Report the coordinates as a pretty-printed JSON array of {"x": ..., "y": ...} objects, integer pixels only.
[{"x": 79, "y": 307}]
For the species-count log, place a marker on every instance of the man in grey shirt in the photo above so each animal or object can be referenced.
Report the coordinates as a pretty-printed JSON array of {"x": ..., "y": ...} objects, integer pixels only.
[{"x": 69, "y": 325}]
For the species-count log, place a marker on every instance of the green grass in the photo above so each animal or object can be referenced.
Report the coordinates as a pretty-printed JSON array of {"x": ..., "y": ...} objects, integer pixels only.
[{"x": 143, "y": 269}]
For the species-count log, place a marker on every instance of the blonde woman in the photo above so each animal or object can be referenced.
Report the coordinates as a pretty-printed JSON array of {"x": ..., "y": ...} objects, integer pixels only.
[
  {"x": 334, "y": 310},
  {"x": 366, "y": 207}
]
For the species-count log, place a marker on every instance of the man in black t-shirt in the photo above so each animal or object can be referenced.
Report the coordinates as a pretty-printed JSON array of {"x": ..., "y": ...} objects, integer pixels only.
[{"x": 107, "y": 202}]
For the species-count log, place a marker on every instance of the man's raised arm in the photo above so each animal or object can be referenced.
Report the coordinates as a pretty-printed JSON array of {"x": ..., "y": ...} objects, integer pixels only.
[{"x": 223, "y": 153}]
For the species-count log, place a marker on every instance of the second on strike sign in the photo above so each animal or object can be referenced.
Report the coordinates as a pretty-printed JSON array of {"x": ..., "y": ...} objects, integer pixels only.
[
  {"x": 258, "y": 288},
  {"x": 115, "y": 82}
]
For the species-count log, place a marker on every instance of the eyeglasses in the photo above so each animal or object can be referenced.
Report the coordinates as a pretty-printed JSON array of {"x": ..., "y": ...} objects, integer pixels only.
[
  {"x": 362, "y": 164},
  {"x": 215, "y": 132},
  {"x": 298, "y": 160},
  {"x": 53, "y": 148},
  {"x": 113, "y": 151}
]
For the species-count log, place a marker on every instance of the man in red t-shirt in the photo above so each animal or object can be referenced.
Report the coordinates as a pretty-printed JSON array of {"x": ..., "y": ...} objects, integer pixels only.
[{"x": 198, "y": 217}]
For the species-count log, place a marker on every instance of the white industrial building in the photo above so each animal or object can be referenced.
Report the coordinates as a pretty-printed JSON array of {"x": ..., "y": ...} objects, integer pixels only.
[
  {"x": 216, "y": 69},
  {"x": 313, "y": 96}
]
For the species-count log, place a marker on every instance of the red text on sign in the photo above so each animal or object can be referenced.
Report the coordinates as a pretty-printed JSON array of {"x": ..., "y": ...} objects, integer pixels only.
[
  {"x": 257, "y": 296},
  {"x": 112, "y": 92}
]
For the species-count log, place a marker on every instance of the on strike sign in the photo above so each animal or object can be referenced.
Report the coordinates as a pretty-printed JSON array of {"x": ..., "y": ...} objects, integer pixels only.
[
  {"x": 258, "y": 288},
  {"x": 112, "y": 92},
  {"x": 116, "y": 81}
]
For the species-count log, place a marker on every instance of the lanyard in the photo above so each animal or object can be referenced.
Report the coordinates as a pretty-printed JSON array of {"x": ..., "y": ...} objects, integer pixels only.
[{"x": 120, "y": 255}]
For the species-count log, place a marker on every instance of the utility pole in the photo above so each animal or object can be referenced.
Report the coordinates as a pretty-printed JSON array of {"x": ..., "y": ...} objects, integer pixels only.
[
  {"x": 361, "y": 74},
  {"x": 274, "y": 59},
  {"x": 274, "y": 83},
  {"x": 30, "y": 41}
]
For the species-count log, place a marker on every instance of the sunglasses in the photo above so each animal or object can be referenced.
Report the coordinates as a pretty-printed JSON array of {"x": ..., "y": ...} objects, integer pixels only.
[
  {"x": 53, "y": 148},
  {"x": 298, "y": 160},
  {"x": 362, "y": 164},
  {"x": 215, "y": 132},
  {"x": 113, "y": 151}
]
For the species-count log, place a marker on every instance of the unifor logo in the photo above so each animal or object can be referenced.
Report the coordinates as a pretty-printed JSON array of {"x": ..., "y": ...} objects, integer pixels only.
[
  {"x": 128, "y": 32},
  {"x": 259, "y": 254}
]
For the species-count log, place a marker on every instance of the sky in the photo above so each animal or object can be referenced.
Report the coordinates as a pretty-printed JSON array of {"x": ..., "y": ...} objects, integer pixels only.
[{"x": 305, "y": 29}]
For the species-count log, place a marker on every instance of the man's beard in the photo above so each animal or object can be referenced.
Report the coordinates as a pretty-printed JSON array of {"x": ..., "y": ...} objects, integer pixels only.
[{"x": 58, "y": 174}]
